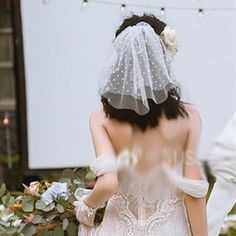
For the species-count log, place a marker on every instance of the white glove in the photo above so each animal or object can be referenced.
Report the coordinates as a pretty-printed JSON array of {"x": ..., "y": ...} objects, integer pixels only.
[{"x": 84, "y": 213}]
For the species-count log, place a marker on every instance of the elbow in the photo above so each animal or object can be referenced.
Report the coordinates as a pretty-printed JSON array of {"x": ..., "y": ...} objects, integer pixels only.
[
  {"x": 111, "y": 188},
  {"x": 110, "y": 191},
  {"x": 109, "y": 185}
]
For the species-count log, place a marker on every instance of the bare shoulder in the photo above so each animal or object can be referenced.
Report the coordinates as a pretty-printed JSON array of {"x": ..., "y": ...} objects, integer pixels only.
[
  {"x": 97, "y": 117},
  {"x": 194, "y": 114}
]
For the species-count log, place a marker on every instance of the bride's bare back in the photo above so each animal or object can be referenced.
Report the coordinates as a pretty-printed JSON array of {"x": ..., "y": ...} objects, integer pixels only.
[
  {"x": 125, "y": 207},
  {"x": 170, "y": 136}
]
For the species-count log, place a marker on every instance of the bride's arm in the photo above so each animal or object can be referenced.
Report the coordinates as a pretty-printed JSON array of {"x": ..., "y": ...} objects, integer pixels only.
[
  {"x": 107, "y": 183},
  {"x": 196, "y": 207}
]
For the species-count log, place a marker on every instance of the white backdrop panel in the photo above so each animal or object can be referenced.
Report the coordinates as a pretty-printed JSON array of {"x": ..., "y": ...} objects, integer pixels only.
[{"x": 64, "y": 48}]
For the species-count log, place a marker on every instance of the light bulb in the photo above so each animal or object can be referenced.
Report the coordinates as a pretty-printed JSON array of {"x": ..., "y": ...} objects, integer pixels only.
[
  {"x": 162, "y": 11},
  {"x": 5, "y": 122},
  {"x": 200, "y": 12},
  {"x": 123, "y": 8},
  {"x": 85, "y": 4},
  {"x": 6, "y": 119}
]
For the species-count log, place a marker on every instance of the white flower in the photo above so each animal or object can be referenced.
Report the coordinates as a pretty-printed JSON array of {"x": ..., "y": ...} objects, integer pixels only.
[
  {"x": 18, "y": 199},
  {"x": 33, "y": 188},
  {"x": 55, "y": 192},
  {"x": 2, "y": 207},
  {"x": 17, "y": 223},
  {"x": 168, "y": 37},
  {"x": 4, "y": 213},
  {"x": 169, "y": 34},
  {"x": 5, "y": 216}
]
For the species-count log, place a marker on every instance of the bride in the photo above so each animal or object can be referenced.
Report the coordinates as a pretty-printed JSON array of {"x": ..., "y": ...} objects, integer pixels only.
[{"x": 146, "y": 142}]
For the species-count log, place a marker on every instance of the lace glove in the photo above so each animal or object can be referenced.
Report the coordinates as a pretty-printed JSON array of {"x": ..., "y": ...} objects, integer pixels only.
[{"x": 84, "y": 213}]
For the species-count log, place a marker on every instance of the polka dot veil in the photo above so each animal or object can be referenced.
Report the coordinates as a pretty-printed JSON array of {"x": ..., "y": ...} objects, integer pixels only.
[{"x": 137, "y": 68}]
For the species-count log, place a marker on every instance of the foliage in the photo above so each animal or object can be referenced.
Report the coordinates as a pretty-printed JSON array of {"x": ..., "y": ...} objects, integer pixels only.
[
  {"x": 28, "y": 213},
  {"x": 33, "y": 212},
  {"x": 228, "y": 230}
]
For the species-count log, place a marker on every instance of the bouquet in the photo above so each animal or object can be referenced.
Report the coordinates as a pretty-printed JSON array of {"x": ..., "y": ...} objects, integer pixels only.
[{"x": 45, "y": 208}]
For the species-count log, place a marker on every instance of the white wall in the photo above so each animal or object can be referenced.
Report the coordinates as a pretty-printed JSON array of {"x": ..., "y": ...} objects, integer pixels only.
[{"x": 64, "y": 47}]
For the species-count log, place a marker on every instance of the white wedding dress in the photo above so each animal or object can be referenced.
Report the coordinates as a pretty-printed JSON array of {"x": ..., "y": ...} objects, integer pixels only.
[{"x": 147, "y": 204}]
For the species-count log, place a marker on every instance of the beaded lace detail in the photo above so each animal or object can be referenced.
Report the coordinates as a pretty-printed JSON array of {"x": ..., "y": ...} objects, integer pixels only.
[{"x": 144, "y": 205}]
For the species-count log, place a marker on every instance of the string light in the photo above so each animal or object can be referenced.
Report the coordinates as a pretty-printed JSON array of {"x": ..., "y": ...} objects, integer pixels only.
[
  {"x": 162, "y": 11},
  {"x": 123, "y": 9},
  {"x": 85, "y": 4},
  {"x": 200, "y": 12},
  {"x": 6, "y": 121}
]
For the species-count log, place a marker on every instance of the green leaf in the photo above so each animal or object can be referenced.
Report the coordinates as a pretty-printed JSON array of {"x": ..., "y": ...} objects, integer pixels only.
[
  {"x": 60, "y": 208},
  {"x": 11, "y": 230},
  {"x": 11, "y": 201},
  {"x": 28, "y": 206},
  {"x": 5, "y": 199},
  {"x": 58, "y": 231},
  {"x": 66, "y": 215},
  {"x": 50, "y": 216},
  {"x": 3, "y": 189},
  {"x": 17, "y": 193},
  {"x": 37, "y": 219},
  {"x": 40, "y": 205},
  {"x": 29, "y": 230},
  {"x": 65, "y": 180},
  {"x": 64, "y": 203},
  {"x": 72, "y": 188},
  {"x": 77, "y": 181},
  {"x": 65, "y": 224},
  {"x": 22, "y": 225},
  {"x": 71, "y": 229},
  {"x": 90, "y": 176},
  {"x": 48, "y": 208},
  {"x": 26, "y": 199},
  {"x": 72, "y": 198},
  {"x": 2, "y": 229},
  {"x": 43, "y": 233},
  {"x": 3, "y": 223},
  {"x": 68, "y": 173}
]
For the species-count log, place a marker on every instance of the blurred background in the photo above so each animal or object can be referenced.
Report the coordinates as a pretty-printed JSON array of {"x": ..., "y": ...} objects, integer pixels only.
[
  {"x": 8, "y": 126},
  {"x": 51, "y": 52}
]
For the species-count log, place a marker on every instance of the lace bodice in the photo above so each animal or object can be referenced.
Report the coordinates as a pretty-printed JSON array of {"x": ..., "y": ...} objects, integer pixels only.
[{"x": 147, "y": 204}]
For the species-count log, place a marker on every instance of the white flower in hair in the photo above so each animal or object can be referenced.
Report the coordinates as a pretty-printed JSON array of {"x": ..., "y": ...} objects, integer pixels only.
[{"x": 168, "y": 37}]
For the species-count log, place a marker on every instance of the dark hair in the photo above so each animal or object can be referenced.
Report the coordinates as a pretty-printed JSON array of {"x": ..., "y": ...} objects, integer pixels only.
[{"x": 172, "y": 108}]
